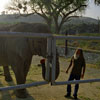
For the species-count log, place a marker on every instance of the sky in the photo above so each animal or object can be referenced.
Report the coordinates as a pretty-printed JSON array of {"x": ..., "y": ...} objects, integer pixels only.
[{"x": 92, "y": 10}]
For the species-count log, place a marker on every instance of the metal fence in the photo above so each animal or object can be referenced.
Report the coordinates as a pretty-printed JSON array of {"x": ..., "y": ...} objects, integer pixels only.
[{"x": 51, "y": 51}]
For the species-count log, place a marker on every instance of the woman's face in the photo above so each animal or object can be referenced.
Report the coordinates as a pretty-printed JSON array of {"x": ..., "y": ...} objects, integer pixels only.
[{"x": 78, "y": 52}]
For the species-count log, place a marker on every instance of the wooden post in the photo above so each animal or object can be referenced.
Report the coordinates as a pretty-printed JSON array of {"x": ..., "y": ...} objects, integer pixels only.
[{"x": 53, "y": 60}]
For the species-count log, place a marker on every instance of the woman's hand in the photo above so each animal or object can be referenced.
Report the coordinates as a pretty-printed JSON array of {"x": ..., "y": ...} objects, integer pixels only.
[
  {"x": 82, "y": 76},
  {"x": 66, "y": 71}
]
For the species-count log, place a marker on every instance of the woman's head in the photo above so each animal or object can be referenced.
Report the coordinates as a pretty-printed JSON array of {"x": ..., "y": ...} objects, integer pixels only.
[{"x": 78, "y": 53}]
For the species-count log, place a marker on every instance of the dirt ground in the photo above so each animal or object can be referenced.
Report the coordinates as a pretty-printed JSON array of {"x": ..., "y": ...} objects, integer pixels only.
[{"x": 87, "y": 91}]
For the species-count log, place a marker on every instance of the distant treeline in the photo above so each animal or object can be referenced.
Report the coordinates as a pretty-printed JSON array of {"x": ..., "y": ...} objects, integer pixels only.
[{"x": 81, "y": 28}]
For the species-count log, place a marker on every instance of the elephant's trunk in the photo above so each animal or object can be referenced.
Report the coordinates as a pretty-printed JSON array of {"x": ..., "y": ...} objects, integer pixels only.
[{"x": 44, "y": 68}]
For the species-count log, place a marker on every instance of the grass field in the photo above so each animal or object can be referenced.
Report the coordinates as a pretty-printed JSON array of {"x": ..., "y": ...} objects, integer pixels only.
[{"x": 89, "y": 91}]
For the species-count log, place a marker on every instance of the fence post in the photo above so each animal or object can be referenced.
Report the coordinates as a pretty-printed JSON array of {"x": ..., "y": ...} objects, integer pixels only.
[
  {"x": 53, "y": 60},
  {"x": 48, "y": 64}
]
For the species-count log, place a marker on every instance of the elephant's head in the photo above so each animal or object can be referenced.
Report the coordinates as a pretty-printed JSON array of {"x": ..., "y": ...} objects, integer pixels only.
[{"x": 38, "y": 46}]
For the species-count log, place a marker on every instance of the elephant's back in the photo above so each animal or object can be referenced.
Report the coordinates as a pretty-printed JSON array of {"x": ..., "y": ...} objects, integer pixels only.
[{"x": 30, "y": 27}]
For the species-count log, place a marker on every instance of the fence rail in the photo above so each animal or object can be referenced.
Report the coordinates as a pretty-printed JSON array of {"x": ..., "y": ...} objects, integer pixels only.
[
  {"x": 76, "y": 81},
  {"x": 78, "y": 37},
  {"x": 46, "y": 35},
  {"x": 21, "y": 86}
]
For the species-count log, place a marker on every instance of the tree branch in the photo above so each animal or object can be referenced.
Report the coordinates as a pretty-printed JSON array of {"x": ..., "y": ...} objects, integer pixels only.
[
  {"x": 70, "y": 12},
  {"x": 71, "y": 17},
  {"x": 63, "y": 7}
]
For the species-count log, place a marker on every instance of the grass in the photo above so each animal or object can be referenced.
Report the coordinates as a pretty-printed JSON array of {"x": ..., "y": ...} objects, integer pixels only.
[
  {"x": 89, "y": 34},
  {"x": 85, "y": 98},
  {"x": 34, "y": 70},
  {"x": 98, "y": 87},
  {"x": 98, "y": 63},
  {"x": 7, "y": 23},
  {"x": 93, "y": 66},
  {"x": 60, "y": 42}
]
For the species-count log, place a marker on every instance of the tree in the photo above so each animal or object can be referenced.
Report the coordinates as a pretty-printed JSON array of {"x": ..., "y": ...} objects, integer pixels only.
[
  {"x": 54, "y": 12},
  {"x": 98, "y": 25},
  {"x": 97, "y": 2}
]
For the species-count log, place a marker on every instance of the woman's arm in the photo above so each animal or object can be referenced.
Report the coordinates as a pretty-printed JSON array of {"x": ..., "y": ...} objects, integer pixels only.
[
  {"x": 83, "y": 69},
  {"x": 69, "y": 66}
]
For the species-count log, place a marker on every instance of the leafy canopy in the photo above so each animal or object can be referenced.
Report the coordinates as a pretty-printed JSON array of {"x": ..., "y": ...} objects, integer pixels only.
[{"x": 55, "y": 12}]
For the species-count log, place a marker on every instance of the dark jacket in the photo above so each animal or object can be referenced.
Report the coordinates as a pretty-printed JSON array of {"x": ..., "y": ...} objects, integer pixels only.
[{"x": 77, "y": 65}]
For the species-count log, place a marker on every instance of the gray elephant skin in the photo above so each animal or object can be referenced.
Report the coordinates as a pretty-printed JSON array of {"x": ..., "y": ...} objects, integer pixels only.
[{"x": 17, "y": 52}]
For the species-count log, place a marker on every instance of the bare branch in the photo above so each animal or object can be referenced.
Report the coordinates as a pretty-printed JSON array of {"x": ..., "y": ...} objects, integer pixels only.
[
  {"x": 67, "y": 19},
  {"x": 63, "y": 7},
  {"x": 41, "y": 9},
  {"x": 70, "y": 12}
]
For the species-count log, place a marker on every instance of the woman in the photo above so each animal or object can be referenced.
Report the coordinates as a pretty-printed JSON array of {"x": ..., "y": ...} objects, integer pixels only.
[{"x": 78, "y": 69}]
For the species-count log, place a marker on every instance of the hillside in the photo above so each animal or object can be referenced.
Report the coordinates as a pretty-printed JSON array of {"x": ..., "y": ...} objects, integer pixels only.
[
  {"x": 16, "y": 19},
  {"x": 38, "y": 19},
  {"x": 81, "y": 20}
]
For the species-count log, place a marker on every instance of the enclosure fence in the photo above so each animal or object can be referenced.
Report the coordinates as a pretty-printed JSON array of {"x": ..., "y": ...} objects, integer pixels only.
[{"x": 51, "y": 51}]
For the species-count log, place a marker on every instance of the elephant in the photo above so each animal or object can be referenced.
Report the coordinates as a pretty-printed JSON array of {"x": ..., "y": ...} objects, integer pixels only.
[{"x": 17, "y": 52}]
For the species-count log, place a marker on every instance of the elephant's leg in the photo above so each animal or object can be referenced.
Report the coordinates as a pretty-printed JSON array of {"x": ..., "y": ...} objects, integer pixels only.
[
  {"x": 7, "y": 75},
  {"x": 20, "y": 79},
  {"x": 27, "y": 64}
]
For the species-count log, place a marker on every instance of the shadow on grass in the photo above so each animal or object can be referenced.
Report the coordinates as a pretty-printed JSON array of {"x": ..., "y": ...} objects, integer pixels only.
[
  {"x": 72, "y": 98},
  {"x": 28, "y": 98},
  {"x": 10, "y": 95},
  {"x": 4, "y": 95}
]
